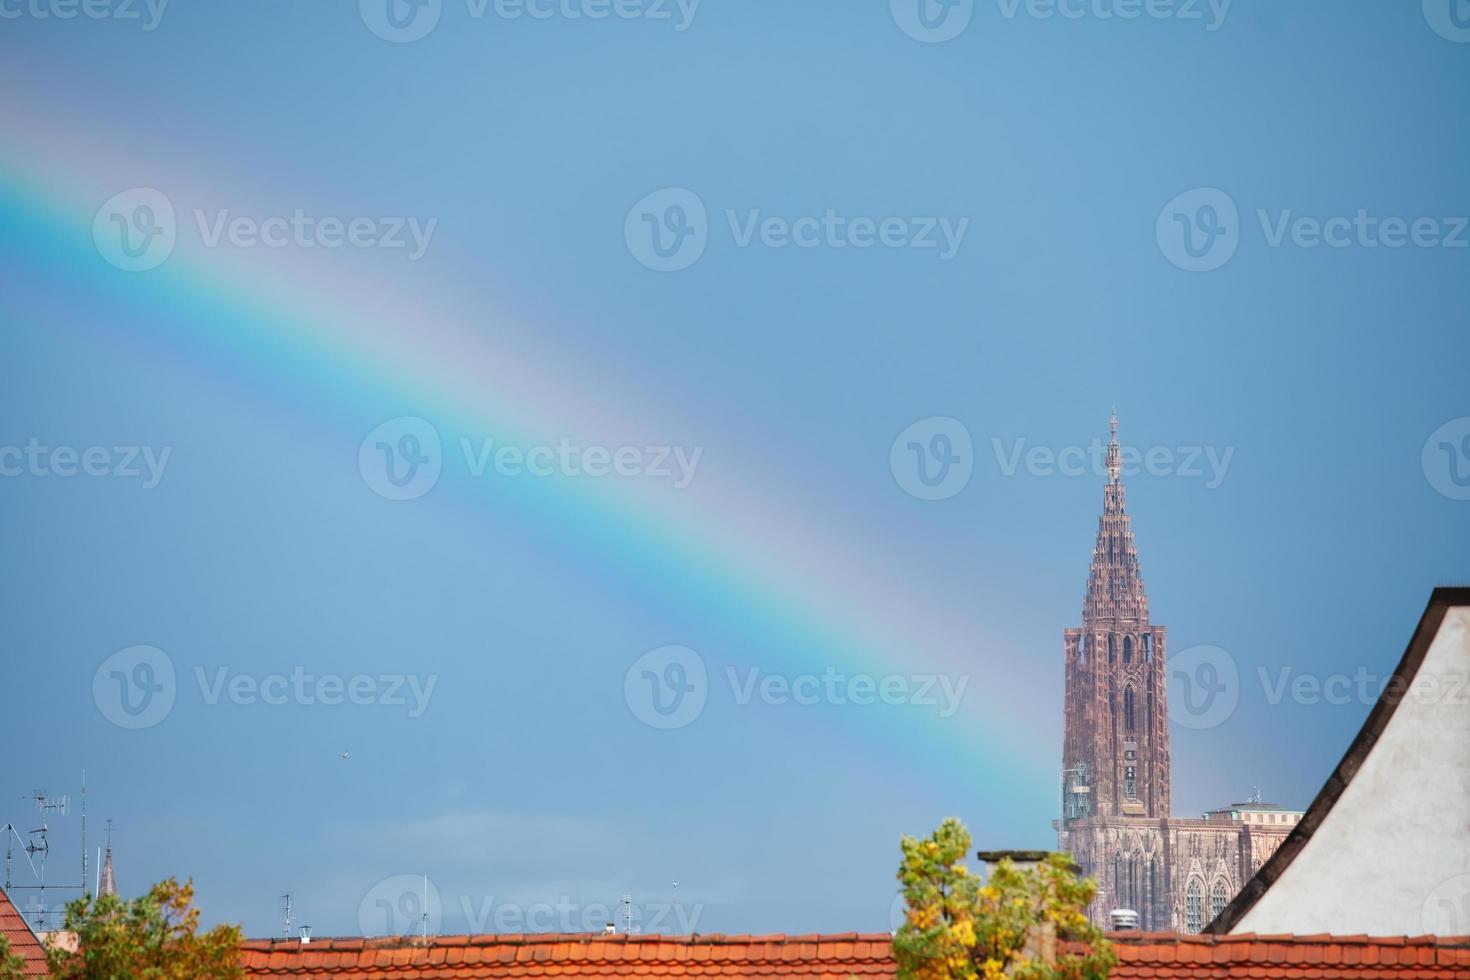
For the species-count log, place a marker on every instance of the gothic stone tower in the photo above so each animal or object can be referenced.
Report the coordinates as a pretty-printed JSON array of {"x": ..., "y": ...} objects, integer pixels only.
[
  {"x": 1115, "y": 758},
  {"x": 1177, "y": 874},
  {"x": 1115, "y": 753}
]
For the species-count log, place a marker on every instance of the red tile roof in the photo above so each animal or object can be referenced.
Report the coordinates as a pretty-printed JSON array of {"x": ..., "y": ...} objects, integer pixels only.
[
  {"x": 834, "y": 957},
  {"x": 831, "y": 957},
  {"x": 23, "y": 942},
  {"x": 1169, "y": 955}
]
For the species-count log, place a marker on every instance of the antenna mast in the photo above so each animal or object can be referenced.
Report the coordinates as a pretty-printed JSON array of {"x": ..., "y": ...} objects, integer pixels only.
[
  {"x": 286, "y": 915},
  {"x": 84, "y": 832}
]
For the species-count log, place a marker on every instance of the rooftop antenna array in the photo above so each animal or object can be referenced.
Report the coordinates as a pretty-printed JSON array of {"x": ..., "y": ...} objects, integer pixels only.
[
  {"x": 628, "y": 915},
  {"x": 38, "y": 842},
  {"x": 286, "y": 915}
]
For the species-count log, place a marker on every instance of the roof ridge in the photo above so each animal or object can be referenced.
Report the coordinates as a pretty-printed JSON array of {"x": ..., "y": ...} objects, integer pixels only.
[{"x": 317, "y": 943}]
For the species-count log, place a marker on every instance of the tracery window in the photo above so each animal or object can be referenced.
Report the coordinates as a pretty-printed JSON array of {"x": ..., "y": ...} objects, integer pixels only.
[
  {"x": 1194, "y": 906},
  {"x": 1219, "y": 898}
]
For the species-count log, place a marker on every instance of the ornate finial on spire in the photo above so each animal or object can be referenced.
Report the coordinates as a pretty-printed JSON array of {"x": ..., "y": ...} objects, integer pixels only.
[{"x": 1115, "y": 457}]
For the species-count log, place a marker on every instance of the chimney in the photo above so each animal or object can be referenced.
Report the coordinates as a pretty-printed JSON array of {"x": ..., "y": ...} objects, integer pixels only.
[
  {"x": 1023, "y": 860},
  {"x": 305, "y": 935},
  {"x": 609, "y": 930},
  {"x": 1041, "y": 945},
  {"x": 1124, "y": 920}
]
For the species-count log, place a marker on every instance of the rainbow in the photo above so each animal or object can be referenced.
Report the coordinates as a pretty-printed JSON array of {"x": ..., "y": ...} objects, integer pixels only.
[{"x": 333, "y": 342}]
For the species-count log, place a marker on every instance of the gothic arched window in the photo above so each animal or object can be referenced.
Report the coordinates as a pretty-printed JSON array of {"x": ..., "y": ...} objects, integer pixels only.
[
  {"x": 1112, "y": 647},
  {"x": 1193, "y": 906},
  {"x": 1128, "y": 709},
  {"x": 1127, "y": 649},
  {"x": 1219, "y": 898}
]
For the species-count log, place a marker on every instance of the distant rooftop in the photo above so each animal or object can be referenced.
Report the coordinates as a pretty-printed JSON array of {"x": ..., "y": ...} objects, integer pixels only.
[{"x": 1248, "y": 805}]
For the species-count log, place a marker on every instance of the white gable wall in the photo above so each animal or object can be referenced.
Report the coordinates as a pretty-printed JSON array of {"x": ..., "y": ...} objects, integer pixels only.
[{"x": 1392, "y": 857}]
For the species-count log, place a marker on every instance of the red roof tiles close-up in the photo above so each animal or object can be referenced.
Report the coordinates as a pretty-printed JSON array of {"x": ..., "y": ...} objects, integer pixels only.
[
  {"x": 1160, "y": 955},
  {"x": 23, "y": 942}
]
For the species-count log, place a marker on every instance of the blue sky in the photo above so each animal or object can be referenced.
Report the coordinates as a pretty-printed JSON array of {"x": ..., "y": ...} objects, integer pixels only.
[{"x": 1073, "y": 152}]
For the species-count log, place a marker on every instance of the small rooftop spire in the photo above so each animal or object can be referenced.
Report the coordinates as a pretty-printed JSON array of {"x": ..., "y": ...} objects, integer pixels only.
[{"x": 109, "y": 880}]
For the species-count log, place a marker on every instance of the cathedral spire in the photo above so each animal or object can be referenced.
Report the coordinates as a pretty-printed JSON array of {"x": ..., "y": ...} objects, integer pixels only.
[{"x": 1115, "y": 582}]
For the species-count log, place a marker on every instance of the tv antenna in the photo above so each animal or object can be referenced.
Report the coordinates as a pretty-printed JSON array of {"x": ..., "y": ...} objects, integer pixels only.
[
  {"x": 628, "y": 915},
  {"x": 286, "y": 915},
  {"x": 59, "y": 805},
  {"x": 37, "y": 847}
]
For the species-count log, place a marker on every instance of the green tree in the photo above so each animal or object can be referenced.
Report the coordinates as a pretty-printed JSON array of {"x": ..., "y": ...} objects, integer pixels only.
[
  {"x": 1020, "y": 925},
  {"x": 154, "y": 937}
]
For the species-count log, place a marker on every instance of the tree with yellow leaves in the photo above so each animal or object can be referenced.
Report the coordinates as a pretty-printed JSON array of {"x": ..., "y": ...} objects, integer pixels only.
[
  {"x": 1019, "y": 925},
  {"x": 154, "y": 937}
]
